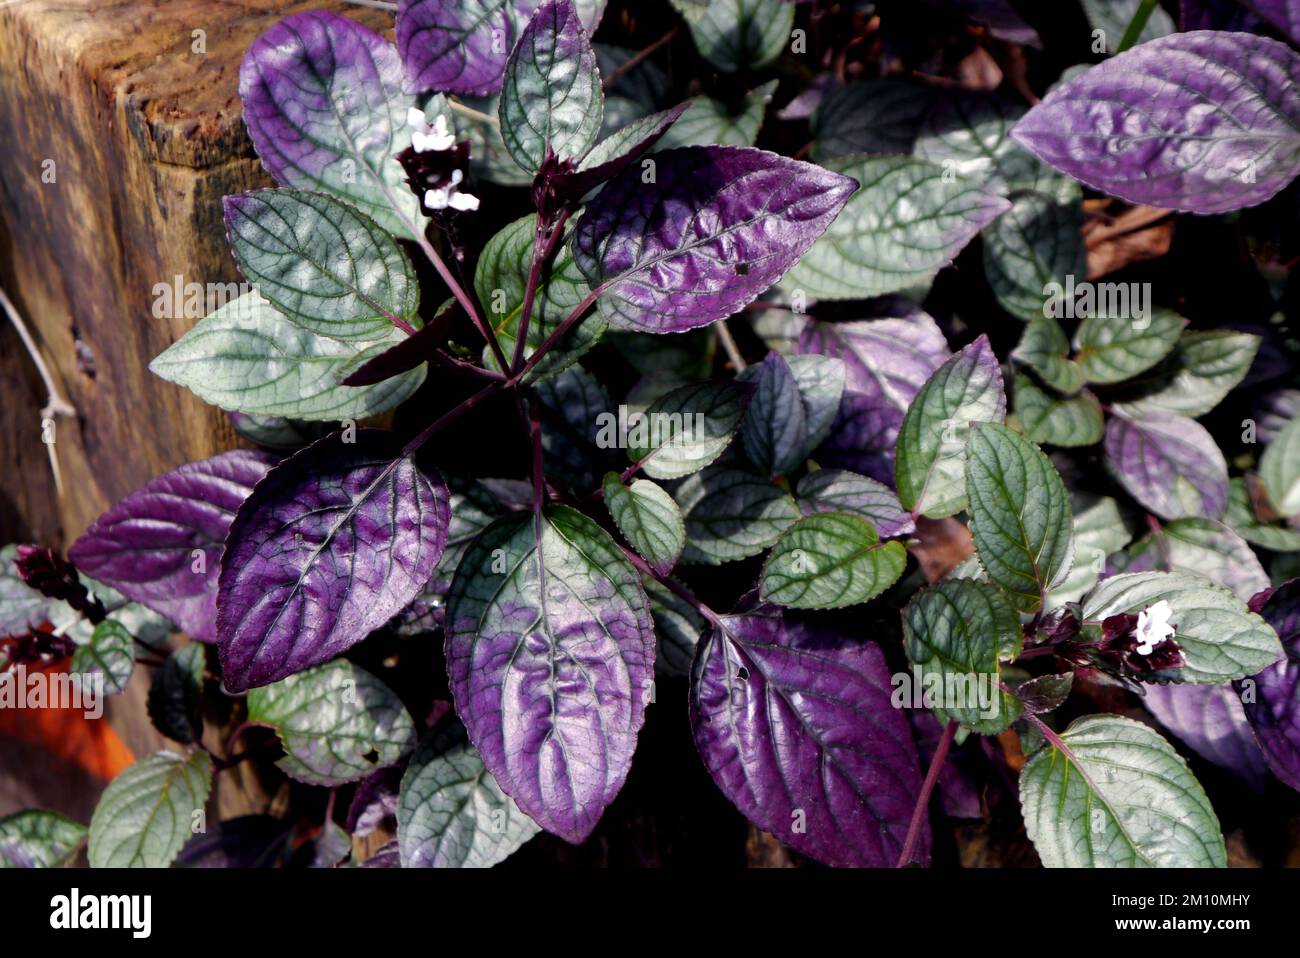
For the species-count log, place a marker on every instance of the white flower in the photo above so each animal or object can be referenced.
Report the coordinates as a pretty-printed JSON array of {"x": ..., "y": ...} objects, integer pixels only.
[
  {"x": 1153, "y": 627},
  {"x": 426, "y": 138}
]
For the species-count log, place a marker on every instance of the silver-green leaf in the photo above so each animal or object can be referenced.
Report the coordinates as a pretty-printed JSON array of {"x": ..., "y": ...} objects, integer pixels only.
[
  {"x": 830, "y": 560},
  {"x": 337, "y": 722},
  {"x": 110, "y": 653},
  {"x": 648, "y": 518},
  {"x": 150, "y": 811},
  {"x": 1120, "y": 797}
]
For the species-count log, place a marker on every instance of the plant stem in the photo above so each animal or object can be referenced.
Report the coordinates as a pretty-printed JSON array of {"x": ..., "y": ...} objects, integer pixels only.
[
  {"x": 634, "y": 61},
  {"x": 539, "y": 475},
  {"x": 922, "y": 808},
  {"x": 545, "y": 239},
  {"x": 674, "y": 586},
  {"x": 1136, "y": 25},
  {"x": 729, "y": 346},
  {"x": 450, "y": 417}
]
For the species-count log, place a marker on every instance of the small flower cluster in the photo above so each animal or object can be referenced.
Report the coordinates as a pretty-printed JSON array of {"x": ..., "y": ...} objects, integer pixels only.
[{"x": 435, "y": 165}]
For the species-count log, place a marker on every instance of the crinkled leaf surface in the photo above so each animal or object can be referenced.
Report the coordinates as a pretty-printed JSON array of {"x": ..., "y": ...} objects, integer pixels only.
[
  {"x": 1036, "y": 242},
  {"x": 1045, "y": 349},
  {"x": 687, "y": 429},
  {"x": 1170, "y": 464},
  {"x": 1203, "y": 121},
  {"x": 551, "y": 101},
  {"x": 1220, "y": 637},
  {"x": 1203, "y": 368},
  {"x": 961, "y": 629},
  {"x": 1115, "y": 346},
  {"x": 450, "y": 811},
  {"x": 550, "y": 650},
  {"x": 742, "y": 34},
  {"x": 324, "y": 107},
  {"x": 1211, "y": 721},
  {"x": 331, "y": 545},
  {"x": 338, "y": 723},
  {"x": 906, "y": 221},
  {"x": 461, "y": 46},
  {"x": 886, "y": 362},
  {"x": 500, "y": 279},
  {"x": 1273, "y": 703},
  {"x": 1198, "y": 547},
  {"x": 718, "y": 226},
  {"x": 829, "y": 560},
  {"x": 149, "y": 811},
  {"x": 731, "y": 514},
  {"x": 38, "y": 839},
  {"x": 1279, "y": 467},
  {"x": 249, "y": 357},
  {"x": 110, "y": 653},
  {"x": 328, "y": 267},
  {"x": 711, "y": 122},
  {"x": 1055, "y": 420},
  {"x": 176, "y": 693},
  {"x": 1099, "y": 530},
  {"x": 1121, "y": 798},
  {"x": 836, "y": 490},
  {"x": 870, "y": 116},
  {"x": 795, "y": 725},
  {"x": 931, "y": 455},
  {"x": 648, "y": 518},
  {"x": 794, "y": 405},
  {"x": 162, "y": 544},
  {"x": 1020, "y": 514}
]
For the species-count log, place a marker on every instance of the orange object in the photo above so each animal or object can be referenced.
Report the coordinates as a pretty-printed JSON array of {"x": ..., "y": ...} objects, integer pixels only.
[{"x": 90, "y": 744}]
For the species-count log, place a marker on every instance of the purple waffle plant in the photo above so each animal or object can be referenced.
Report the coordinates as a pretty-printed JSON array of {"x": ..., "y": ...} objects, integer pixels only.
[{"x": 795, "y": 485}]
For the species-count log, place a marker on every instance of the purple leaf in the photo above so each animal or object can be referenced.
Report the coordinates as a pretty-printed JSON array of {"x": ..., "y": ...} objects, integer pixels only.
[
  {"x": 795, "y": 725},
  {"x": 718, "y": 226},
  {"x": 324, "y": 108},
  {"x": 887, "y": 361},
  {"x": 550, "y": 650},
  {"x": 958, "y": 787},
  {"x": 1283, "y": 14},
  {"x": 1169, "y": 464},
  {"x": 161, "y": 545},
  {"x": 409, "y": 353},
  {"x": 1205, "y": 122},
  {"x": 1211, "y": 722},
  {"x": 1216, "y": 15},
  {"x": 459, "y": 46},
  {"x": 1272, "y": 698},
  {"x": 331, "y": 544},
  {"x": 608, "y": 157}
]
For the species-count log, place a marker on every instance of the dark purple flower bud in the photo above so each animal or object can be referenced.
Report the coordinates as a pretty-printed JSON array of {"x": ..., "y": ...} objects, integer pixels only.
[
  {"x": 54, "y": 576},
  {"x": 1123, "y": 650},
  {"x": 35, "y": 647}
]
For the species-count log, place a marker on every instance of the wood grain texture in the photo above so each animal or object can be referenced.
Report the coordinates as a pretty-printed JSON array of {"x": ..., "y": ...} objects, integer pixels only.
[{"x": 145, "y": 136}]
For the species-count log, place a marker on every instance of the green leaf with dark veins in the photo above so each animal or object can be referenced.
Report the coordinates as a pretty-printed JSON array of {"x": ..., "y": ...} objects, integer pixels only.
[
  {"x": 1279, "y": 467},
  {"x": 648, "y": 518},
  {"x": 148, "y": 813},
  {"x": 1118, "y": 796},
  {"x": 176, "y": 693},
  {"x": 830, "y": 560},
  {"x": 1113, "y": 347},
  {"x": 39, "y": 839},
  {"x": 324, "y": 264},
  {"x": 1220, "y": 637},
  {"x": 929, "y": 468},
  {"x": 731, "y": 514},
  {"x": 110, "y": 653},
  {"x": 337, "y": 722},
  {"x": 1241, "y": 518},
  {"x": 551, "y": 100},
  {"x": 687, "y": 429},
  {"x": 1056, "y": 421},
  {"x": 1037, "y": 242},
  {"x": 1045, "y": 349},
  {"x": 1203, "y": 368},
  {"x": 960, "y": 630},
  {"x": 1020, "y": 514}
]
